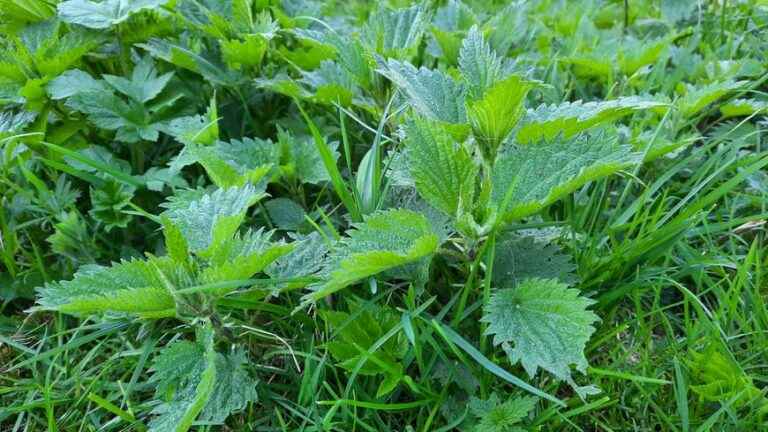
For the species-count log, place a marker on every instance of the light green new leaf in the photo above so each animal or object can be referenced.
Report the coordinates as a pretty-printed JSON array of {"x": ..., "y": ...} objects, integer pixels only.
[
  {"x": 135, "y": 286},
  {"x": 479, "y": 65},
  {"x": 237, "y": 162},
  {"x": 496, "y": 416},
  {"x": 528, "y": 178},
  {"x": 698, "y": 98},
  {"x": 496, "y": 113},
  {"x": 542, "y": 324},
  {"x": 442, "y": 168},
  {"x": 743, "y": 107},
  {"x": 104, "y": 14},
  {"x": 430, "y": 92},
  {"x": 242, "y": 256},
  {"x": 398, "y": 242},
  {"x": 208, "y": 219},
  {"x": 570, "y": 118}
]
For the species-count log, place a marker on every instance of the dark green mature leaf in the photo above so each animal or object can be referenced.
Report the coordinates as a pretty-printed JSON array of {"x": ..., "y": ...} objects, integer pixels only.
[
  {"x": 105, "y": 14},
  {"x": 542, "y": 324},
  {"x": 518, "y": 258},
  {"x": 200, "y": 384},
  {"x": 528, "y": 178},
  {"x": 442, "y": 168},
  {"x": 359, "y": 331}
]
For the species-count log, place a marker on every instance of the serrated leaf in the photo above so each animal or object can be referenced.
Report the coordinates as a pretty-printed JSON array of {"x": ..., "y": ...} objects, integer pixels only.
[
  {"x": 72, "y": 82},
  {"x": 542, "y": 324},
  {"x": 144, "y": 83},
  {"x": 360, "y": 330},
  {"x": 206, "y": 218},
  {"x": 204, "y": 63},
  {"x": 518, "y": 258},
  {"x": 698, "y": 98},
  {"x": 237, "y": 162},
  {"x": 134, "y": 286},
  {"x": 479, "y": 65},
  {"x": 530, "y": 177},
  {"x": 496, "y": 113},
  {"x": 743, "y": 107},
  {"x": 199, "y": 384},
  {"x": 442, "y": 168},
  {"x": 570, "y": 118},
  {"x": 496, "y": 416},
  {"x": 104, "y": 14},
  {"x": 386, "y": 242},
  {"x": 395, "y": 33},
  {"x": 430, "y": 92}
]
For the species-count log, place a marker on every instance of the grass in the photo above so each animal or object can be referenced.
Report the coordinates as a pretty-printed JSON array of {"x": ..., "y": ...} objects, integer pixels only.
[{"x": 672, "y": 251}]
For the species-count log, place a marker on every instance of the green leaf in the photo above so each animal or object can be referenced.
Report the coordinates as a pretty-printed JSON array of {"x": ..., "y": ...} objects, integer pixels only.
[
  {"x": 496, "y": 113},
  {"x": 72, "y": 82},
  {"x": 134, "y": 286},
  {"x": 285, "y": 213},
  {"x": 442, "y": 168},
  {"x": 542, "y": 324},
  {"x": 496, "y": 416},
  {"x": 742, "y": 107},
  {"x": 240, "y": 257},
  {"x": 431, "y": 93},
  {"x": 518, "y": 258},
  {"x": 104, "y": 14},
  {"x": 530, "y": 177},
  {"x": 479, "y": 65},
  {"x": 717, "y": 377},
  {"x": 356, "y": 333},
  {"x": 386, "y": 242},
  {"x": 570, "y": 118},
  {"x": 207, "y": 219},
  {"x": 109, "y": 202},
  {"x": 236, "y": 162},
  {"x": 144, "y": 84},
  {"x": 197, "y": 383},
  {"x": 698, "y": 98},
  {"x": 395, "y": 33}
]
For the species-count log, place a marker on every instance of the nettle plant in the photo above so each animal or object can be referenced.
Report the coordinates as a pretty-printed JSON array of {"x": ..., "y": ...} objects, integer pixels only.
[{"x": 479, "y": 162}]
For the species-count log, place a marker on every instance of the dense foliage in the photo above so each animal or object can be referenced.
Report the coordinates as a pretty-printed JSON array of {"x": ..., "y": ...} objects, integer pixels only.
[{"x": 442, "y": 215}]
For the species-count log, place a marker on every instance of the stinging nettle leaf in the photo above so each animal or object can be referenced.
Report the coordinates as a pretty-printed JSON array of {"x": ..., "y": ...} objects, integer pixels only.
[
  {"x": 442, "y": 168},
  {"x": 518, "y": 258},
  {"x": 395, "y": 33},
  {"x": 529, "y": 177},
  {"x": 431, "y": 93},
  {"x": 570, "y": 118},
  {"x": 495, "y": 114},
  {"x": 479, "y": 64},
  {"x": 542, "y": 324},
  {"x": 206, "y": 219},
  {"x": 388, "y": 241},
  {"x": 134, "y": 286},
  {"x": 104, "y": 14}
]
